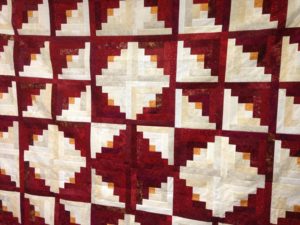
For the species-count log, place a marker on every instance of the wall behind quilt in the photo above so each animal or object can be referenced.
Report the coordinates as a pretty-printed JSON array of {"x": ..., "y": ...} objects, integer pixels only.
[{"x": 150, "y": 112}]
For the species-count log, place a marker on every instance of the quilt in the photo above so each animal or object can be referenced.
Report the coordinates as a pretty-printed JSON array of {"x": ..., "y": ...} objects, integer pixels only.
[{"x": 149, "y": 112}]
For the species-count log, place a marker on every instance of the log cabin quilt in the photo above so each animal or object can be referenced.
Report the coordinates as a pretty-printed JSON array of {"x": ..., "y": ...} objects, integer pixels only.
[{"x": 149, "y": 112}]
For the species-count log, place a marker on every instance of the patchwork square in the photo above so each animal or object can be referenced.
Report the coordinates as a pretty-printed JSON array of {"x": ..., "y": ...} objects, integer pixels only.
[
  {"x": 35, "y": 59},
  {"x": 200, "y": 16},
  {"x": 198, "y": 108},
  {"x": 35, "y": 18},
  {"x": 288, "y": 121},
  {"x": 133, "y": 17},
  {"x": 8, "y": 98},
  {"x": 36, "y": 100},
  {"x": 200, "y": 175},
  {"x": 253, "y": 15},
  {"x": 72, "y": 18},
  {"x": 196, "y": 60},
  {"x": 285, "y": 181},
  {"x": 244, "y": 110},
  {"x": 71, "y": 60},
  {"x": 149, "y": 112},
  {"x": 7, "y": 57},
  {"x": 53, "y": 144},
  {"x": 6, "y": 17},
  {"x": 133, "y": 81}
]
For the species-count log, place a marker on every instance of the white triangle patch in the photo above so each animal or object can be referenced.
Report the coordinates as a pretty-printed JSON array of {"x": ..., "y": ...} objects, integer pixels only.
[
  {"x": 242, "y": 66},
  {"x": 38, "y": 21},
  {"x": 286, "y": 181},
  {"x": 290, "y": 61},
  {"x": 43, "y": 207},
  {"x": 103, "y": 192},
  {"x": 9, "y": 153},
  {"x": 7, "y": 59},
  {"x": 161, "y": 139},
  {"x": 78, "y": 21},
  {"x": 190, "y": 115},
  {"x": 248, "y": 15},
  {"x": 40, "y": 64},
  {"x": 102, "y": 136},
  {"x": 193, "y": 18},
  {"x": 78, "y": 66},
  {"x": 8, "y": 101},
  {"x": 288, "y": 114},
  {"x": 41, "y": 104},
  {"x": 190, "y": 68},
  {"x": 293, "y": 15},
  {"x": 160, "y": 200},
  {"x": 239, "y": 116},
  {"x": 80, "y": 212},
  {"x": 79, "y": 108},
  {"x": 5, "y": 19},
  {"x": 11, "y": 203}
]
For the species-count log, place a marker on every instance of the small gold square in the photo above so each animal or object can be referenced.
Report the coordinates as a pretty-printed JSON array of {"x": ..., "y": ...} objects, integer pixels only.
[
  {"x": 154, "y": 10},
  {"x": 30, "y": 13},
  {"x": 72, "y": 180},
  {"x": 110, "y": 58},
  {"x": 1, "y": 95},
  {"x": 249, "y": 106},
  {"x": 296, "y": 208},
  {"x": 110, "y": 144},
  {"x": 197, "y": 151},
  {"x": 110, "y": 185},
  {"x": 2, "y": 171},
  {"x": 4, "y": 208},
  {"x": 200, "y": 58},
  {"x": 71, "y": 100},
  {"x": 253, "y": 55},
  {"x": 1, "y": 134},
  {"x": 298, "y": 161},
  {"x": 258, "y": 3},
  {"x": 36, "y": 214},
  {"x": 244, "y": 203},
  {"x": 196, "y": 197},
  {"x": 35, "y": 137},
  {"x": 152, "y": 103},
  {"x": 110, "y": 12},
  {"x": 33, "y": 57},
  {"x": 204, "y": 7},
  {"x": 37, "y": 176},
  {"x": 153, "y": 58},
  {"x": 151, "y": 190},
  {"x": 69, "y": 13},
  {"x": 33, "y": 98},
  {"x": 110, "y": 102},
  {"x": 72, "y": 220},
  {"x": 72, "y": 141},
  {"x": 198, "y": 105},
  {"x": 152, "y": 148},
  {"x": 69, "y": 58}
]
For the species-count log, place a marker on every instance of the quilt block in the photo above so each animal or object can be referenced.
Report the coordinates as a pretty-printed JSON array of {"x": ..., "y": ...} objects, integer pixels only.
[{"x": 149, "y": 112}]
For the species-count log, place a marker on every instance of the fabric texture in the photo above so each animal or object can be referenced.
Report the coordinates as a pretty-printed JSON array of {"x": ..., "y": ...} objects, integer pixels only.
[{"x": 150, "y": 112}]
